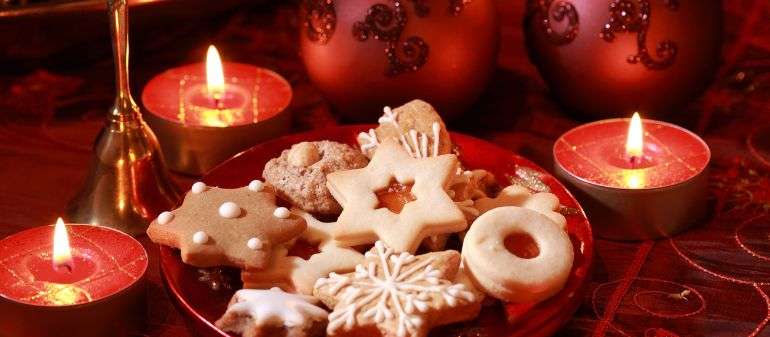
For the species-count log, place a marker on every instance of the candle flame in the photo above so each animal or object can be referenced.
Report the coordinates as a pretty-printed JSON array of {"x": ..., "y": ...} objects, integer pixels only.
[
  {"x": 215, "y": 77},
  {"x": 635, "y": 140},
  {"x": 62, "y": 255}
]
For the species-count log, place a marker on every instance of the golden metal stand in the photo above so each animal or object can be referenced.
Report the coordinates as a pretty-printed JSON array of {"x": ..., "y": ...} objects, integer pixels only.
[{"x": 128, "y": 183}]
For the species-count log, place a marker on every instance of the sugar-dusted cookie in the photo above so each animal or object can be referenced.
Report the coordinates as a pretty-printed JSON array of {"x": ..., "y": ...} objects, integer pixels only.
[
  {"x": 415, "y": 125},
  {"x": 232, "y": 227},
  {"x": 267, "y": 313},
  {"x": 517, "y": 195},
  {"x": 397, "y": 199},
  {"x": 518, "y": 255},
  {"x": 297, "y": 274},
  {"x": 396, "y": 294},
  {"x": 299, "y": 173}
]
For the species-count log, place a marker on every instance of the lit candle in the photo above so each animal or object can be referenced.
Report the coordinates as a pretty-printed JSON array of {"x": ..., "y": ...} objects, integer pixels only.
[
  {"x": 83, "y": 279},
  {"x": 638, "y": 179},
  {"x": 206, "y": 112}
]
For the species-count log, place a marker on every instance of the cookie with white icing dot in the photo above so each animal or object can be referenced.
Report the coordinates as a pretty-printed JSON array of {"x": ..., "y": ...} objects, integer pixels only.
[
  {"x": 273, "y": 312},
  {"x": 231, "y": 227},
  {"x": 416, "y": 126},
  {"x": 299, "y": 173},
  {"x": 297, "y": 274},
  {"x": 397, "y": 294}
]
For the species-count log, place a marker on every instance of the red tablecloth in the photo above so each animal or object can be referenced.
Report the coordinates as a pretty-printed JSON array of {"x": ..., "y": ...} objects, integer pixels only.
[{"x": 712, "y": 280}]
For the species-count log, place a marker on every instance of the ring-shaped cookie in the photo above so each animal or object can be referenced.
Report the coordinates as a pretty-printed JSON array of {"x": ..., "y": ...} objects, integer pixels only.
[{"x": 505, "y": 276}]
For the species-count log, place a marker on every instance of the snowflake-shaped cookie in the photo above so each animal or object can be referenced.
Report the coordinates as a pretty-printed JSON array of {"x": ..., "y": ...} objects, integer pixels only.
[
  {"x": 516, "y": 195},
  {"x": 297, "y": 274},
  {"x": 231, "y": 227},
  {"x": 431, "y": 213},
  {"x": 260, "y": 312},
  {"x": 397, "y": 293}
]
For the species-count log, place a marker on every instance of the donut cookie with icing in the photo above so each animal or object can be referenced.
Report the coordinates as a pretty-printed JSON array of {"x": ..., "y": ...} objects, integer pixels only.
[
  {"x": 397, "y": 199},
  {"x": 267, "y": 313},
  {"x": 299, "y": 173},
  {"x": 416, "y": 126},
  {"x": 397, "y": 294},
  {"x": 227, "y": 227},
  {"x": 503, "y": 274},
  {"x": 297, "y": 274}
]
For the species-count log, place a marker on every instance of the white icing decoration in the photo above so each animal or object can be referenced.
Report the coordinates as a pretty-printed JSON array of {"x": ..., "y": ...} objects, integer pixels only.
[
  {"x": 165, "y": 218},
  {"x": 436, "y": 128},
  {"x": 389, "y": 116},
  {"x": 368, "y": 140},
  {"x": 229, "y": 210},
  {"x": 281, "y": 213},
  {"x": 254, "y": 244},
  {"x": 256, "y": 185},
  {"x": 275, "y": 307},
  {"x": 402, "y": 286},
  {"x": 199, "y": 187},
  {"x": 200, "y": 237},
  {"x": 415, "y": 143}
]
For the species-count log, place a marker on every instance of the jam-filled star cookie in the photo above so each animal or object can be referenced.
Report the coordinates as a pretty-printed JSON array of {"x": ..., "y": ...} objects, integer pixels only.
[
  {"x": 416, "y": 126},
  {"x": 266, "y": 313},
  {"x": 299, "y": 173},
  {"x": 397, "y": 199},
  {"x": 397, "y": 294},
  {"x": 231, "y": 227},
  {"x": 296, "y": 274}
]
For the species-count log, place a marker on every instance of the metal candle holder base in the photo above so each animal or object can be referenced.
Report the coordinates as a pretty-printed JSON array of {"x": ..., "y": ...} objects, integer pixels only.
[
  {"x": 128, "y": 184},
  {"x": 642, "y": 214}
]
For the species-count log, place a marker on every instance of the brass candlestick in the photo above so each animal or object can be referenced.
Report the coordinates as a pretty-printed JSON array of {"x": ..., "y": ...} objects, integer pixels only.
[{"x": 128, "y": 183}]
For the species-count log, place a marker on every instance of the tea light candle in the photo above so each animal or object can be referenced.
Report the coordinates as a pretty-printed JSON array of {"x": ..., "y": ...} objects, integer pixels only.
[
  {"x": 86, "y": 281},
  {"x": 205, "y": 113},
  {"x": 638, "y": 179}
]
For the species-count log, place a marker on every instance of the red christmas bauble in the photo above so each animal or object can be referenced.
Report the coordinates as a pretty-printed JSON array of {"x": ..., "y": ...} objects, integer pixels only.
[
  {"x": 366, "y": 54},
  {"x": 606, "y": 58}
]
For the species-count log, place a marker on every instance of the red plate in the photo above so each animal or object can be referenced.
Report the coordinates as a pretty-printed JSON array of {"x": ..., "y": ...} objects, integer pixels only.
[{"x": 201, "y": 306}]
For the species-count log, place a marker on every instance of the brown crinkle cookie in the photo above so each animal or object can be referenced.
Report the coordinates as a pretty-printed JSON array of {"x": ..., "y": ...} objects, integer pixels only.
[{"x": 299, "y": 173}]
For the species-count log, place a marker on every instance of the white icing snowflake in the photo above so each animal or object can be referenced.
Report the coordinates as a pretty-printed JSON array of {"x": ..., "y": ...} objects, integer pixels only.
[{"x": 391, "y": 286}]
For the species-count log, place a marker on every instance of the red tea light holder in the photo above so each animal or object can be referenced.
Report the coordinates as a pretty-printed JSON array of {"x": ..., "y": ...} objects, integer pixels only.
[
  {"x": 93, "y": 287},
  {"x": 637, "y": 179},
  {"x": 204, "y": 114}
]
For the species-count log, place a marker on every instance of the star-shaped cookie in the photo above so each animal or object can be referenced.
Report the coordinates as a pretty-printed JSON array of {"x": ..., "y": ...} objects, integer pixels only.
[
  {"x": 297, "y": 274},
  {"x": 256, "y": 313},
  {"x": 520, "y": 196},
  {"x": 398, "y": 294},
  {"x": 231, "y": 227},
  {"x": 431, "y": 212}
]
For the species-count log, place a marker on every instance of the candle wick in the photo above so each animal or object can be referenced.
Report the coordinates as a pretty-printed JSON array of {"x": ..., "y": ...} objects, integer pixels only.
[{"x": 66, "y": 266}]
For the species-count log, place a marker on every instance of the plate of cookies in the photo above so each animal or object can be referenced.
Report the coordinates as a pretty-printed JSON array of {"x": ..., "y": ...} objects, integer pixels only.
[{"x": 399, "y": 229}]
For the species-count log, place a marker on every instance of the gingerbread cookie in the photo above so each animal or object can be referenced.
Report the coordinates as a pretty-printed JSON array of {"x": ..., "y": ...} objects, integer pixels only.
[
  {"x": 415, "y": 125},
  {"x": 500, "y": 272},
  {"x": 266, "y": 313},
  {"x": 397, "y": 199},
  {"x": 299, "y": 275},
  {"x": 517, "y": 195},
  {"x": 299, "y": 173},
  {"x": 396, "y": 294},
  {"x": 233, "y": 227}
]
